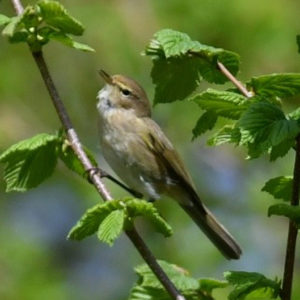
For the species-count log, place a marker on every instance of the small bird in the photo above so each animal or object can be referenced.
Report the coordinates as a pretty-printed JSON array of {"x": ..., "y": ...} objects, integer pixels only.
[{"x": 143, "y": 157}]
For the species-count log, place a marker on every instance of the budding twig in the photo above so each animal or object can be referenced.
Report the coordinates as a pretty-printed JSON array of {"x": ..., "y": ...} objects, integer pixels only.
[{"x": 76, "y": 145}]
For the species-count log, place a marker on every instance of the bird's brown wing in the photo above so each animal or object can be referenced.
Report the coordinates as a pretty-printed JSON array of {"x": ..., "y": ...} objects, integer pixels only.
[{"x": 167, "y": 157}]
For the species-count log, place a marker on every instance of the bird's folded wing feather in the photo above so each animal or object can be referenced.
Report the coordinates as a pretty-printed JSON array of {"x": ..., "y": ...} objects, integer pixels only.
[{"x": 161, "y": 147}]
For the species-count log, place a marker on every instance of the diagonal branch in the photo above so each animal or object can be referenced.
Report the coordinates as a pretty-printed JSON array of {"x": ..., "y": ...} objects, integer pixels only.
[{"x": 76, "y": 145}]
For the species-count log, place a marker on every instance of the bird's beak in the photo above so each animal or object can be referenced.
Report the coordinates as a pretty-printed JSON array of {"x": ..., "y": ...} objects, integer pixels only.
[{"x": 107, "y": 78}]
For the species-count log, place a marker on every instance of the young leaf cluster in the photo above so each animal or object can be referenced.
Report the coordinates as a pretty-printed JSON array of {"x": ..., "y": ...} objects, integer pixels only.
[
  {"x": 38, "y": 24},
  {"x": 149, "y": 288},
  {"x": 244, "y": 285},
  {"x": 258, "y": 123},
  {"x": 180, "y": 64},
  {"x": 110, "y": 218}
]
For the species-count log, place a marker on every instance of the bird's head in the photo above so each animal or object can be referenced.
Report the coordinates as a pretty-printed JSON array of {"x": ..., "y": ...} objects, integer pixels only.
[{"x": 121, "y": 92}]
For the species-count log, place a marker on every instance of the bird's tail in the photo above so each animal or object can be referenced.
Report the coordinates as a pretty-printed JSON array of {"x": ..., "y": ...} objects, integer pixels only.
[{"x": 214, "y": 230}]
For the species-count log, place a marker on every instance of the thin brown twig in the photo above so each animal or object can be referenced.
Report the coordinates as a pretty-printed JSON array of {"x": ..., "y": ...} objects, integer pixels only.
[
  {"x": 293, "y": 232},
  {"x": 234, "y": 80},
  {"x": 76, "y": 145}
]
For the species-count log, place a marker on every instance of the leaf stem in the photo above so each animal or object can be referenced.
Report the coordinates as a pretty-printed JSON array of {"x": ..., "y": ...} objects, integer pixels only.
[
  {"x": 293, "y": 232},
  {"x": 76, "y": 145},
  {"x": 236, "y": 82}
]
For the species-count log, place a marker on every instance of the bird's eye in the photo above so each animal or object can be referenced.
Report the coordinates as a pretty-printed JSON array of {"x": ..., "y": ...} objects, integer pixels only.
[{"x": 125, "y": 92}]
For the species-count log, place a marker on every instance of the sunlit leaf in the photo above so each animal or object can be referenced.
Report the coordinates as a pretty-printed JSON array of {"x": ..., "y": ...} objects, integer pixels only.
[
  {"x": 222, "y": 103},
  {"x": 29, "y": 162},
  {"x": 246, "y": 283},
  {"x": 54, "y": 14},
  {"x": 281, "y": 85},
  {"x": 111, "y": 227}
]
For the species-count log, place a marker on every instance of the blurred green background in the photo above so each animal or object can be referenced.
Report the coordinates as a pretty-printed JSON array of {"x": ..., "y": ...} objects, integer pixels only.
[{"x": 36, "y": 260}]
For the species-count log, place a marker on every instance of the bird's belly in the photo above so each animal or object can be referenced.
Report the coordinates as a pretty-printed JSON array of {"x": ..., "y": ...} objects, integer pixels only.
[{"x": 118, "y": 147}]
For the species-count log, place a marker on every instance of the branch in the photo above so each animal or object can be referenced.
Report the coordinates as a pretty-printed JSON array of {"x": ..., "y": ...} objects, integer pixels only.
[
  {"x": 293, "y": 231},
  {"x": 237, "y": 83},
  {"x": 76, "y": 145}
]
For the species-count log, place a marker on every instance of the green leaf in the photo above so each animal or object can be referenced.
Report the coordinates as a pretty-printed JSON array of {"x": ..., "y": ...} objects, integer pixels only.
[
  {"x": 175, "y": 78},
  {"x": 264, "y": 125},
  {"x": 93, "y": 217},
  {"x": 54, "y": 14},
  {"x": 179, "y": 276},
  {"x": 178, "y": 62},
  {"x": 280, "y": 187},
  {"x": 228, "y": 134},
  {"x": 281, "y": 149},
  {"x": 4, "y": 20},
  {"x": 209, "y": 284},
  {"x": 111, "y": 227},
  {"x": 148, "y": 293},
  {"x": 68, "y": 41},
  {"x": 222, "y": 103},
  {"x": 246, "y": 283},
  {"x": 206, "y": 122},
  {"x": 138, "y": 207},
  {"x": 276, "y": 85},
  {"x": 70, "y": 159},
  {"x": 282, "y": 209},
  {"x": 29, "y": 162},
  {"x": 89, "y": 223},
  {"x": 294, "y": 115},
  {"x": 10, "y": 29}
]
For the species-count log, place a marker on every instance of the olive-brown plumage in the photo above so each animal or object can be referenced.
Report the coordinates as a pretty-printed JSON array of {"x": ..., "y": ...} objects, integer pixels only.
[{"x": 142, "y": 156}]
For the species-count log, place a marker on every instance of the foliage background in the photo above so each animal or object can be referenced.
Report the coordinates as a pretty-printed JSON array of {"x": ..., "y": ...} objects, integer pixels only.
[{"x": 36, "y": 261}]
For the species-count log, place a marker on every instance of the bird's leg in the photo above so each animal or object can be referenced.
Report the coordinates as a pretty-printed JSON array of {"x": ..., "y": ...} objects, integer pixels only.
[{"x": 104, "y": 174}]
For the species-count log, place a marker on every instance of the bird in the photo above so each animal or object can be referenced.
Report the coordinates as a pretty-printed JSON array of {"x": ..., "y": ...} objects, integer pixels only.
[{"x": 141, "y": 155}]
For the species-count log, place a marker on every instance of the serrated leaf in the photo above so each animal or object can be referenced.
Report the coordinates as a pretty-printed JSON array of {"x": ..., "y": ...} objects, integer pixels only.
[
  {"x": 206, "y": 122},
  {"x": 264, "y": 125},
  {"x": 92, "y": 218},
  {"x": 54, "y": 14},
  {"x": 4, "y": 20},
  {"x": 178, "y": 62},
  {"x": 29, "y": 162},
  {"x": 222, "y": 103},
  {"x": 245, "y": 283},
  {"x": 138, "y": 207},
  {"x": 209, "y": 284},
  {"x": 286, "y": 210},
  {"x": 148, "y": 293},
  {"x": 68, "y": 41},
  {"x": 111, "y": 227},
  {"x": 228, "y": 134},
  {"x": 281, "y": 85},
  {"x": 174, "y": 78},
  {"x": 180, "y": 277},
  {"x": 281, "y": 149},
  {"x": 280, "y": 187}
]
